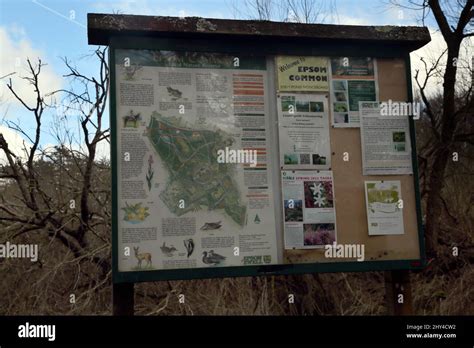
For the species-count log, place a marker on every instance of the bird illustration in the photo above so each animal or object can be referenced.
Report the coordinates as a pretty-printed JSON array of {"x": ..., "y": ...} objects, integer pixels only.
[
  {"x": 211, "y": 226},
  {"x": 174, "y": 93},
  {"x": 189, "y": 245},
  {"x": 211, "y": 258},
  {"x": 168, "y": 251}
]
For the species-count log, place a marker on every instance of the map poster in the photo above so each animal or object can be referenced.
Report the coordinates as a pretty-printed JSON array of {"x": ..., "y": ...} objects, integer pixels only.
[
  {"x": 385, "y": 140},
  {"x": 384, "y": 207},
  {"x": 352, "y": 80},
  {"x": 308, "y": 206},
  {"x": 302, "y": 74},
  {"x": 194, "y": 188},
  {"x": 303, "y": 122}
]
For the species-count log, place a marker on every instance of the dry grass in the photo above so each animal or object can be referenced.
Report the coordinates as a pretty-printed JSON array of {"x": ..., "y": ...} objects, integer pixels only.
[
  {"x": 444, "y": 295},
  {"x": 45, "y": 290},
  {"x": 446, "y": 287}
]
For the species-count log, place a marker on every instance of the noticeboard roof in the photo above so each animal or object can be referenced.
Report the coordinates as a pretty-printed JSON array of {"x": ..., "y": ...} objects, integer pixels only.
[{"x": 101, "y": 27}]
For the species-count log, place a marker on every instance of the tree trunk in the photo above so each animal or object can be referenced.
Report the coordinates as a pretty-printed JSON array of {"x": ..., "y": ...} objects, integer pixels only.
[{"x": 434, "y": 204}]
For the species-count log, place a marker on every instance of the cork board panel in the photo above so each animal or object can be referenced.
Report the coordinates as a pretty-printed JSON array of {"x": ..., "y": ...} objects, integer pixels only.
[{"x": 349, "y": 195}]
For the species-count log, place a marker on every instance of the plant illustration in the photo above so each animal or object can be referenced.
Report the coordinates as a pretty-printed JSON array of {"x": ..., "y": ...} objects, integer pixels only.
[
  {"x": 135, "y": 212},
  {"x": 150, "y": 173}
]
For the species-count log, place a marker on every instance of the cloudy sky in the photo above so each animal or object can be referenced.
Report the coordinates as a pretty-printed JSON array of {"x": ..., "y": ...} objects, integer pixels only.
[{"x": 54, "y": 29}]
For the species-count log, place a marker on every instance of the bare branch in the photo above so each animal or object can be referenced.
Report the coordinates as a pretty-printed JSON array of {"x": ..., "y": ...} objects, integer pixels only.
[{"x": 440, "y": 19}]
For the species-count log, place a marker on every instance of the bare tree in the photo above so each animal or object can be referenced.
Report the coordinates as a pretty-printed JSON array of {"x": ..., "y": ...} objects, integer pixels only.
[
  {"x": 44, "y": 187},
  {"x": 309, "y": 11},
  {"x": 300, "y": 11},
  {"x": 450, "y": 119}
]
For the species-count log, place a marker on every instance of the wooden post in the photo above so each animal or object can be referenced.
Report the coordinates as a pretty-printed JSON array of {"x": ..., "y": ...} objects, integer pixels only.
[
  {"x": 123, "y": 299},
  {"x": 398, "y": 292}
]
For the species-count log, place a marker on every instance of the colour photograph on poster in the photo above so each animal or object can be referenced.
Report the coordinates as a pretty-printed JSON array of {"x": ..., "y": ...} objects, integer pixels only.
[
  {"x": 385, "y": 141},
  {"x": 384, "y": 207},
  {"x": 309, "y": 213},
  {"x": 303, "y": 124},
  {"x": 352, "y": 80}
]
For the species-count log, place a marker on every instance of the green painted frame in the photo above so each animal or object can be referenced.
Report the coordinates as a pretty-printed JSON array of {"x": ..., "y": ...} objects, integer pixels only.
[{"x": 257, "y": 47}]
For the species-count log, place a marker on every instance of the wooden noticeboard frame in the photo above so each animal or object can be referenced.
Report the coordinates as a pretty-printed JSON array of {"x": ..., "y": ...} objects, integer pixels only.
[{"x": 394, "y": 79}]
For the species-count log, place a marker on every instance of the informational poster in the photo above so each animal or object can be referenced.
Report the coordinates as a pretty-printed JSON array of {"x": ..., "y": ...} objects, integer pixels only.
[
  {"x": 385, "y": 140},
  {"x": 302, "y": 74},
  {"x": 194, "y": 188},
  {"x": 308, "y": 205},
  {"x": 352, "y": 80},
  {"x": 384, "y": 207},
  {"x": 303, "y": 122}
]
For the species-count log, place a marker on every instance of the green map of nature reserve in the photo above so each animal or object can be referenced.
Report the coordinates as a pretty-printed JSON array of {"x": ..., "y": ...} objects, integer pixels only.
[{"x": 195, "y": 176}]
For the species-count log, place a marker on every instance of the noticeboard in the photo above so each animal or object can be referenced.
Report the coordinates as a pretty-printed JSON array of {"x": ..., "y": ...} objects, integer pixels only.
[{"x": 254, "y": 164}]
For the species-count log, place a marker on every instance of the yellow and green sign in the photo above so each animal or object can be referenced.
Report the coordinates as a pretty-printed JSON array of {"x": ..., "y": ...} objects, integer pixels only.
[{"x": 302, "y": 74}]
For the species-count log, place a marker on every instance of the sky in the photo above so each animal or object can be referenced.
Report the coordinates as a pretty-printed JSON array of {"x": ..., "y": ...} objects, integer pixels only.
[{"x": 54, "y": 29}]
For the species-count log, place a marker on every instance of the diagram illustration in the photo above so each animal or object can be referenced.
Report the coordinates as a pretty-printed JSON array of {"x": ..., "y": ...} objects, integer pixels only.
[{"x": 184, "y": 152}]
